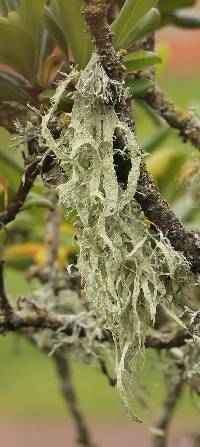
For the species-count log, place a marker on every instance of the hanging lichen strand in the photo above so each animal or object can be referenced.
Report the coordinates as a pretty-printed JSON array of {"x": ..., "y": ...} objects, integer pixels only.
[{"x": 123, "y": 268}]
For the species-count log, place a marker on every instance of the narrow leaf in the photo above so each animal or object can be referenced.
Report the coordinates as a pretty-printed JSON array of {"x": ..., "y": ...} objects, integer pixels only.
[
  {"x": 31, "y": 15},
  {"x": 10, "y": 90},
  {"x": 35, "y": 200},
  {"x": 17, "y": 49},
  {"x": 4, "y": 186},
  {"x": 167, "y": 6},
  {"x": 74, "y": 28},
  {"x": 156, "y": 140},
  {"x": 50, "y": 68},
  {"x": 186, "y": 20},
  {"x": 147, "y": 25},
  {"x": 139, "y": 86},
  {"x": 131, "y": 13},
  {"x": 138, "y": 60},
  {"x": 55, "y": 31},
  {"x": 46, "y": 96},
  {"x": 7, "y": 157}
]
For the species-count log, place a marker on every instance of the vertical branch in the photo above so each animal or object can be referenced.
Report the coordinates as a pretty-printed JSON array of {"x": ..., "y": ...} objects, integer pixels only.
[
  {"x": 69, "y": 395},
  {"x": 4, "y": 303},
  {"x": 173, "y": 394},
  {"x": 95, "y": 13}
]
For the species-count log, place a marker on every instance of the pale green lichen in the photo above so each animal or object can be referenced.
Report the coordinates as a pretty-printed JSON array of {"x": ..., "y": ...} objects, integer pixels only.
[
  {"x": 73, "y": 317},
  {"x": 124, "y": 269}
]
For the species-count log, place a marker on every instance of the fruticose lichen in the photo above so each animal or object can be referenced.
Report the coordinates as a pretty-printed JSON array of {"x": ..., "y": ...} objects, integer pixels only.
[{"x": 126, "y": 270}]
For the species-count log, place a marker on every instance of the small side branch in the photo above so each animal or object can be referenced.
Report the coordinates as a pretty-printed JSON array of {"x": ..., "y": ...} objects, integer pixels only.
[
  {"x": 9, "y": 114},
  {"x": 172, "y": 396},
  {"x": 69, "y": 395},
  {"x": 186, "y": 122},
  {"x": 31, "y": 171}
]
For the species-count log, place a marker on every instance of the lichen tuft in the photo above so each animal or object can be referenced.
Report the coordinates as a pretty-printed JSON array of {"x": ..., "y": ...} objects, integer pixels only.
[{"x": 126, "y": 270}]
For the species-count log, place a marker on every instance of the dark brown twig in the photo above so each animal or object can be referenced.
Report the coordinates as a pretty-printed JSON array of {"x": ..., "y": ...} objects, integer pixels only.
[
  {"x": 157, "y": 210},
  {"x": 4, "y": 302},
  {"x": 31, "y": 171},
  {"x": 69, "y": 395},
  {"x": 9, "y": 114}
]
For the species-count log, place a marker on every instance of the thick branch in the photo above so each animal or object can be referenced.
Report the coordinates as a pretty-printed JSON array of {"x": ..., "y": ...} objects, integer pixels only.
[
  {"x": 186, "y": 122},
  {"x": 160, "y": 214},
  {"x": 153, "y": 205},
  {"x": 95, "y": 12}
]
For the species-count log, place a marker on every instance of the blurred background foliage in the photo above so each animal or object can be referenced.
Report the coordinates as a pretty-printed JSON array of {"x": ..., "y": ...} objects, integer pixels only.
[{"x": 39, "y": 41}]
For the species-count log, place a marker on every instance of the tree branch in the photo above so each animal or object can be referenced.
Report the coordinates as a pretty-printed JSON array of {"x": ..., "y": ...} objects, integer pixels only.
[
  {"x": 39, "y": 319},
  {"x": 9, "y": 114},
  {"x": 31, "y": 171},
  {"x": 163, "y": 217},
  {"x": 186, "y": 122},
  {"x": 4, "y": 302},
  {"x": 69, "y": 395},
  {"x": 173, "y": 393}
]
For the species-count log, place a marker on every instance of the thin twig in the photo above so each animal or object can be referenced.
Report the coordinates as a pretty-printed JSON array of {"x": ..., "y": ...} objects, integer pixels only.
[
  {"x": 69, "y": 395},
  {"x": 4, "y": 302},
  {"x": 186, "y": 122},
  {"x": 9, "y": 114},
  {"x": 111, "y": 380},
  {"x": 31, "y": 171},
  {"x": 170, "y": 402}
]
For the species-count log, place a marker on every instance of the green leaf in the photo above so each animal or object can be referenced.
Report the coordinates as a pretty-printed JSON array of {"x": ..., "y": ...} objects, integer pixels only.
[
  {"x": 156, "y": 140},
  {"x": 139, "y": 86},
  {"x": 46, "y": 96},
  {"x": 167, "y": 6},
  {"x": 138, "y": 60},
  {"x": 13, "y": 17},
  {"x": 7, "y": 157},
  {"x": 31, "y": 12},
  {"x": 131, "y": 13},
  {"x": 17, "y": 49},
  {"x": 147, "y": 24},
  {"x": 186, "y": 20},
  {"x": 35, "y": 200},
  {"x": 55, "y": 31},
  {"x": 74, "y": 28},
  {"x": 8, "y": 5},
  {"x": 11, "y": 90}
]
